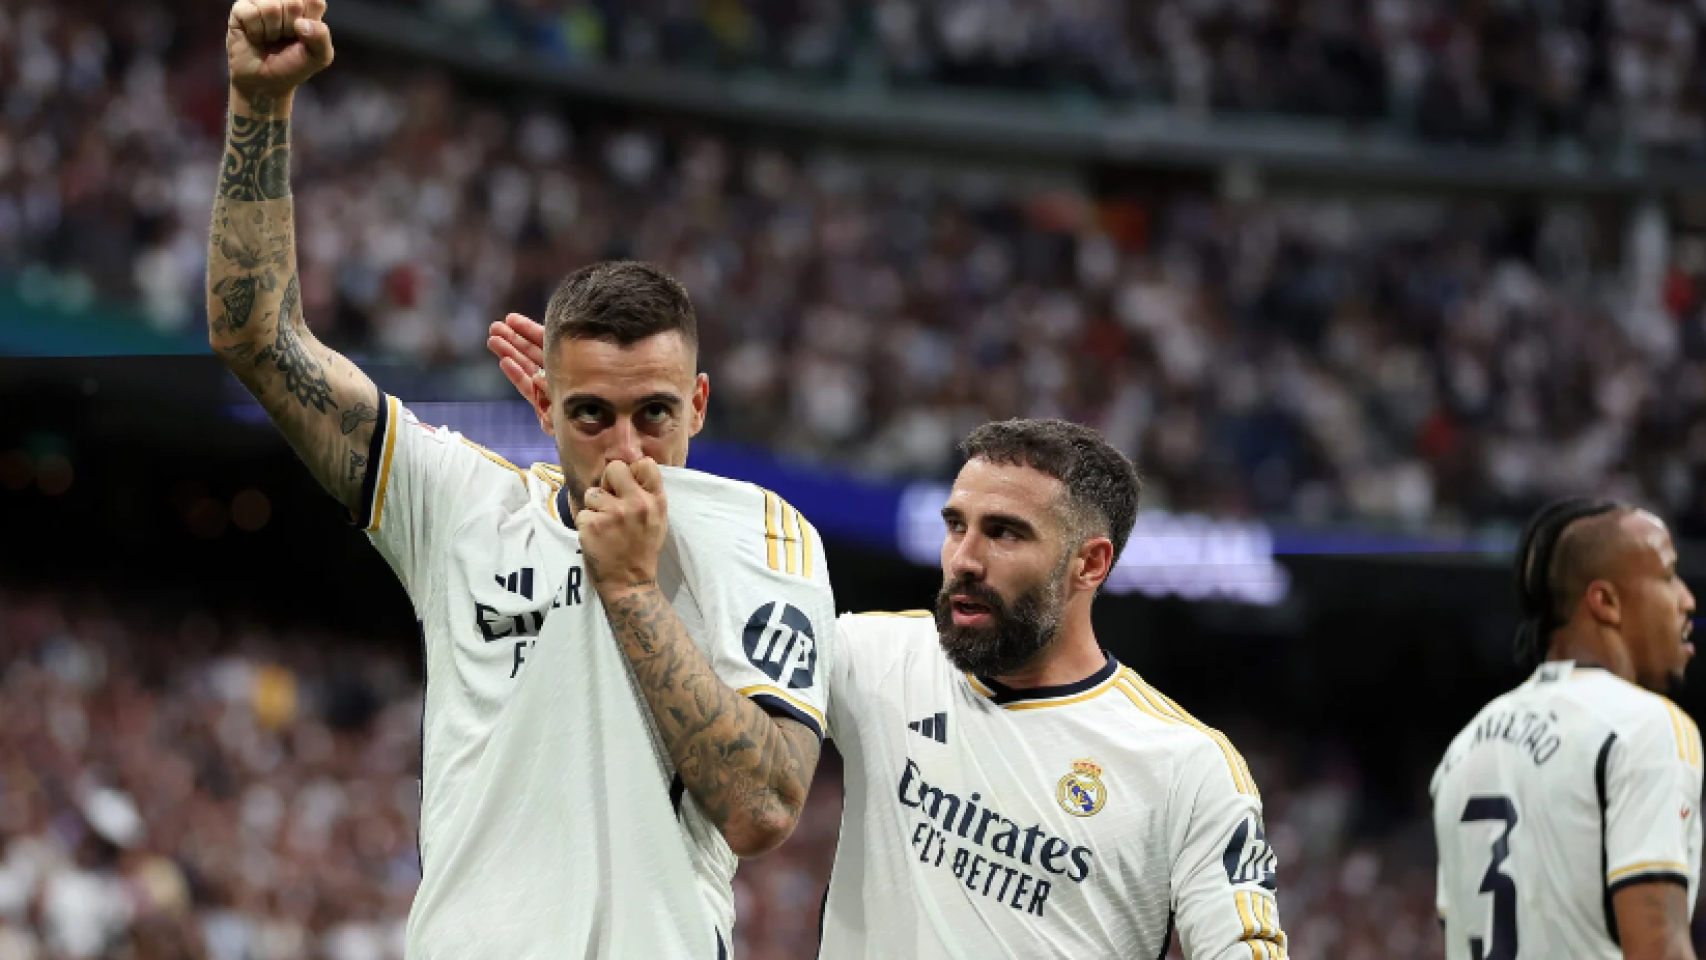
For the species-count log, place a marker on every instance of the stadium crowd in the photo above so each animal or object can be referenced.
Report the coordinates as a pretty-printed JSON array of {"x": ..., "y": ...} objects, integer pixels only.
[
  {"x": 1408, "y": 361},
  {"x": 1591, "y": 73},
  {"x": 177, "y": 788}
]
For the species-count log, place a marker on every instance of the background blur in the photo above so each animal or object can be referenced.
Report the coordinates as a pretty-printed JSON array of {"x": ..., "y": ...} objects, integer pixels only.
[{"x": 1357, "y": 284}]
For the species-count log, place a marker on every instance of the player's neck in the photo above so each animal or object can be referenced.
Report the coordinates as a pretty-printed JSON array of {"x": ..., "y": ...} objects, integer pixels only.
[
  {"x": 1589, "y": 649},
  {"x": 1072, "y": 656}
]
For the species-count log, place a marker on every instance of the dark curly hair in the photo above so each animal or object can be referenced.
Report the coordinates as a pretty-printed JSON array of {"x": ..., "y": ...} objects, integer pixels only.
[{"x": 1102, "y": 486}]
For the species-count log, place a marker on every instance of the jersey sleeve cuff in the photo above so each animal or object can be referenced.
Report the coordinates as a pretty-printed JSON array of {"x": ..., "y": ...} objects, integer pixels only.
[
  {"x": 379, "y": 453},
  {"x": 1656, "y": 873},
  {"x": 778, "y": 704}
]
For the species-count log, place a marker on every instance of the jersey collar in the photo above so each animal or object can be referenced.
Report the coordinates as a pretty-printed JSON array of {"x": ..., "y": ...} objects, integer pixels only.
[{"x": 1004, "y": 696}]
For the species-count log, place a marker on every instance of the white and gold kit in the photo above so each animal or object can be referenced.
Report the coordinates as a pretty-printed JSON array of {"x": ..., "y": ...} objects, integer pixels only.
[
  {"x": 552, "y": 822},
  {"x": 1082, "y": 821},
  {"x": 1559, "y": 793}
]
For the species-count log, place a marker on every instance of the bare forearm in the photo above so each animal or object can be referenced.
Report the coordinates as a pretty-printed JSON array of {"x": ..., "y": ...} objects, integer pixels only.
[
  {"x": 1653, "y": 921},
  {"x": 749, "y": 772},
  {"x": 325, "y": 406}
]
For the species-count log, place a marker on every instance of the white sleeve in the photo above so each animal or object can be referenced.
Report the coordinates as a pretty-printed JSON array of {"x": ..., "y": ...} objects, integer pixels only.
[
  {"x": 1442, "y": 893},
  {"x": 759, "y": 577},
  {"x": 418, "y": 480},
  {"x": 1224, "y": 874},
  {"x": 1651, "y": 789}
]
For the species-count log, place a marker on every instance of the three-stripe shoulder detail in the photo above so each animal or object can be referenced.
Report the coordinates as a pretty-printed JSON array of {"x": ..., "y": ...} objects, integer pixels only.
[
  {"x": 1159, "y": 706},
  {"x": 1687, "y": 734},
  {"x": 788, "y": 538}
]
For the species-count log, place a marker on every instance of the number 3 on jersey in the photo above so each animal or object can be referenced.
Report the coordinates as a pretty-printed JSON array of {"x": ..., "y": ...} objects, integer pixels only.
[{"x": 1501, "y": 886}]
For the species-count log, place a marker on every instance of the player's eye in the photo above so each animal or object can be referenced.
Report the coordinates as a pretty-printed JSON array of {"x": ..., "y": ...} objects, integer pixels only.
[
  {"x": 656, "y": 413},
  {"x": 586, "y": 412},
  {"x": 954, "y": 526}
]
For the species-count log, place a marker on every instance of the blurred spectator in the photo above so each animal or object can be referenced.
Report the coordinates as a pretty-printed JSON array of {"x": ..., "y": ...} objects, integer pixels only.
[
  {"x": 1598, "y": 74},
  {"x": 1407, "y": 362}
]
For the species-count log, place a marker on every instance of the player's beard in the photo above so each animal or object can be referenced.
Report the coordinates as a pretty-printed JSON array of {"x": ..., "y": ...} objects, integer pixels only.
[{"x": 1020, "y": 631}]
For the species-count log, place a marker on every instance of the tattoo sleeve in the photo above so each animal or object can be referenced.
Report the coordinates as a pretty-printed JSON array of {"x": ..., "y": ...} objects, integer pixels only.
[
  {"x": 324, "y": 406},
  {"x": 749, "y": 772}
]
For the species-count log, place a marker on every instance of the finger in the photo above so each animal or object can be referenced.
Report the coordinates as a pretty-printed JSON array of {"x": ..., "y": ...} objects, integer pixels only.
[
  {"x": 619, "y": 479},
  {"x": 530, "y": 333},
  {"x": 522, "y": 383},
  {"x": 317, "y": 38},
  {"x": 292, "y": 13},
  {"x": 647, "y": 475},
  {"x": 272, "y": 21},
  {"x": 529, "y": 356},
  {"x": 315, "y": 9},
  {"x": 528, "y": 327},
  {"x": 507, "y": 352},
  {"x": 246, "y": 14}
]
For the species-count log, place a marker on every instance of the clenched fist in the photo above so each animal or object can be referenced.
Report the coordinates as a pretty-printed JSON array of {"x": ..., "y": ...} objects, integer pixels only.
[
  {"x": 622, "y": 523},
  {"x": 274, "y": 46}
]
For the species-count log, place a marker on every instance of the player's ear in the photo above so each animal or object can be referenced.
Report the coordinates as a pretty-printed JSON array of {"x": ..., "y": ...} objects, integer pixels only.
[
  {"x": 542, "y": 405},
  {"x": 1603, "y": 603},
  {"x": 1095, "y": 561},
  {"x": 700, "y": 400}
]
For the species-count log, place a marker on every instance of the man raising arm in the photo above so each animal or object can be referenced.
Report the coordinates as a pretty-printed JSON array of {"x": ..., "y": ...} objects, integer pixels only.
[{"x": 326, "y": 407}]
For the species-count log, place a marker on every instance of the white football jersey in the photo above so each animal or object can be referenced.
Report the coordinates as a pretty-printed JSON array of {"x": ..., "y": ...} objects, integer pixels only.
[
  {"x": 552, "y": 822},
  {"x": 1080, "y": 821},
  {"x": 1559, "y": 793}
]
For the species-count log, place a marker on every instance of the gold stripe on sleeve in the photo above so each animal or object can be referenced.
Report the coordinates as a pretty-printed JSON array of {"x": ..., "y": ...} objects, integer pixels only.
[
  {"x": 791, "y": 536},
  {"x": 1651, "y": 866},
  {"x": 770, "y": 537},
  {"x": 1137, "y": 699},
  {"x": 804, "y": 707},
  {"x": 393, "y": 423},
  {"x": 1220, "y": 738},
  {"x": 1270, "y": 929},
  {"x": 1242, "y": 899},
  {"x": 806, "y": 548},
  {"x": 500, "y": 461},
  {"x": 1241, "y": 778},
  {"x": 1688, "y": 736}
]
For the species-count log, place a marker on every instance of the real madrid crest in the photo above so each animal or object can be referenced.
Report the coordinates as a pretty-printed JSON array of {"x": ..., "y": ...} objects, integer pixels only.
[{"x": 1082, "y": 792}]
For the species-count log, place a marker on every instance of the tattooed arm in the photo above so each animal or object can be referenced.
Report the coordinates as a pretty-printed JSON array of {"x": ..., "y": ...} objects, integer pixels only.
[
  {"x": 748, "y": 771},
  {"x": 326, "y": 407}
]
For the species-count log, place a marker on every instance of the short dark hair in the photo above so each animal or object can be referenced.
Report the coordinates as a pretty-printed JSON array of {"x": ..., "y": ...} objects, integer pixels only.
[
  {"x": 624, "y": 301},
  {"x": 1102, "y": 486}
]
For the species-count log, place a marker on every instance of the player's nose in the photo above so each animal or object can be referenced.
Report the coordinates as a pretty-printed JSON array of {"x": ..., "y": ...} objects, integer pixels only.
[
  {"x": 624, "y": 443},
  {"x": 965, "y": 559}
]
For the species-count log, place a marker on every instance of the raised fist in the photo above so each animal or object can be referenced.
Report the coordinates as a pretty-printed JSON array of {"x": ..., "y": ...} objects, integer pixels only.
[{"x": 274, "y": 46}]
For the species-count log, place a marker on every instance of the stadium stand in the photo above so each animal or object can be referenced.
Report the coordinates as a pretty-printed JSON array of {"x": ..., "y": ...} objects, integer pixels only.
[
  {"x": 1590, "y": 74},
  {"x": 1310, "y": 357}
]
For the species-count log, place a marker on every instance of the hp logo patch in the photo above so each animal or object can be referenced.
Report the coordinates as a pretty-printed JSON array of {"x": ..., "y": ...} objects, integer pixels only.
[
  {"x": 1248, "y": 858},
  {"x": 780, "y": 642}
]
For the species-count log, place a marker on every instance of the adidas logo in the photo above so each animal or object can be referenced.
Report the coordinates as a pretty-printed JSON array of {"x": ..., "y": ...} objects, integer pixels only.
[
  {"x": 518, "y": 582},
  {"x": 936, "y": 727}
]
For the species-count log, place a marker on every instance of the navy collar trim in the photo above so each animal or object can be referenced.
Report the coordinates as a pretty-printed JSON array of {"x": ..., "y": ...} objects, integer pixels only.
[{"x": 1003, "y": 695}]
